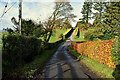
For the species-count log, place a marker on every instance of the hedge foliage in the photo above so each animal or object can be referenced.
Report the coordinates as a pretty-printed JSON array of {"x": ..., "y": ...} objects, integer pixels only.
[
  {"x": 18, "y": 49},
  {"x": 96, "y": 50}
]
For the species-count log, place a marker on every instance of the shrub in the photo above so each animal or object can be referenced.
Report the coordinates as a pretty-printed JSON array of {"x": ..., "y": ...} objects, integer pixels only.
[
  {"x": 37, "y": 32},
  {"x": 107, "y": 36},
  {"x": 115, "y": 52},
  {"x": 89, "y": 35},
  {"x": 18, "y": 49}
]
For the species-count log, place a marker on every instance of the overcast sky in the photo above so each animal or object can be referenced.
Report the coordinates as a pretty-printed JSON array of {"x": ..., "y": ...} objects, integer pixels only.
[{"x": 38, "y": 10}]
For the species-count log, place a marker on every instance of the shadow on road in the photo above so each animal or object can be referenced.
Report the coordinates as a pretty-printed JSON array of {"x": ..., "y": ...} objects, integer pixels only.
[{"x": 61, "y": 65}]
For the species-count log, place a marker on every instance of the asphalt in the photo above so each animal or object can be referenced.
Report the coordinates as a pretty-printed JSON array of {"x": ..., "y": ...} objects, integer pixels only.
[{"x": 62, "y": 66}]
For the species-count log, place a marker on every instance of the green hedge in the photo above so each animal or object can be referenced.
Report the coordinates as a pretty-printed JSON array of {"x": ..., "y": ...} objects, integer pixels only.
[
  {"x": 115, "y": 52},
  {"x": 19, "y": 49}
]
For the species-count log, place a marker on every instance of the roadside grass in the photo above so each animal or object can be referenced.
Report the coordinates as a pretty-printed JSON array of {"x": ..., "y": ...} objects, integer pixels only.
[
  {"x": 94, "y": 66},
  {"x": 80, "y": 37},
  {"x": 56, "y": 35}
]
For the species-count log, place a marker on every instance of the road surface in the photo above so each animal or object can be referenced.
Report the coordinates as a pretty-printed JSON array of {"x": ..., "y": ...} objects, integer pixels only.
[{"x": 61, "y": 65}]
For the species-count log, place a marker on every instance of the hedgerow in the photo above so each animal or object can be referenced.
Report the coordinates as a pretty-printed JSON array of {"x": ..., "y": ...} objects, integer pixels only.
[
  {"x": 19, "y": 49},
  {"x": 96, "y": 50},
  {"x": 116, "y": 57}
]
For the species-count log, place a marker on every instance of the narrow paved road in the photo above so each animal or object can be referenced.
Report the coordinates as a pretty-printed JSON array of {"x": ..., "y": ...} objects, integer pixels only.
[{"x": 62, "y": 65}]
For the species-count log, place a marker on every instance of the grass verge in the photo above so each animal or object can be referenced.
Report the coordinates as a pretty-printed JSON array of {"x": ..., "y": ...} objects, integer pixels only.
[
  {"x": 94, "y": 66},
  {"x": 80, "y": 37},
  {"x": 56, "y": 35}
]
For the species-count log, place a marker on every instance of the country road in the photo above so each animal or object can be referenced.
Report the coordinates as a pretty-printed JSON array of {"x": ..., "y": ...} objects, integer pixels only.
[{"x": 61, "y": 65}]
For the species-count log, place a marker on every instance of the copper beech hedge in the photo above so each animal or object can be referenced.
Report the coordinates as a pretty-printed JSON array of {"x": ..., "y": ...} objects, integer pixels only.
[{"x": 96, "y": 50}]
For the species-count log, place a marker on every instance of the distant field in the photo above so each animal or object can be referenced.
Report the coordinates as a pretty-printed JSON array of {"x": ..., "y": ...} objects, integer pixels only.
[{"x": 56, "y": 35}]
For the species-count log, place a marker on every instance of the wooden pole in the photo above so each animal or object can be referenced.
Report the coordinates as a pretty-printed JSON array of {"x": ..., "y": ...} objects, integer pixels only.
[{"x": 20, "y": 16}]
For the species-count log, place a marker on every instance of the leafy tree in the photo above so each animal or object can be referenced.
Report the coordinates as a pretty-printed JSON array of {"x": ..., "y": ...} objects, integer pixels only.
[
  {"x": 67, "y": 24},
  {"x": 28, "y": 27},
  {"x": 16, "y": 24},
  {"x": 110, "y": 25},
  {"x": 86, "y": 11},
  {"x": 15, "y": 27},
  {"x": 9, "y": 30},
  {"x": 99, "y": 7},
  {"x": 58, "y": 24},
  {"x": 38, "y": 32},
  {"x": 112, "y": 20}
]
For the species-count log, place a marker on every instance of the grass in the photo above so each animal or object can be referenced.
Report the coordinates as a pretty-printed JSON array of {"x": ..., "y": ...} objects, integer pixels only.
[
  {"x": 80, "y": 37},
  {"x": 99, "y": 69},
  {"x": 75, "y": 33},
  {"x": 81, "y": 34},
  {"x": 56, "y": 35}
]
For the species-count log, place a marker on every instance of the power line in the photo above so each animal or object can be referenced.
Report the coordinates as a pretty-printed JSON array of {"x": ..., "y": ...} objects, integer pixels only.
[
  {"x": 10, "y": 7},
  {"x": 4, "y": 12},
  {"x": 4, "y": 9}
]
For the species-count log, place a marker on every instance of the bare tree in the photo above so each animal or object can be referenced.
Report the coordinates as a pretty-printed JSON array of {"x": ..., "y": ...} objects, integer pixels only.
[{"x": 62, "y": 11}]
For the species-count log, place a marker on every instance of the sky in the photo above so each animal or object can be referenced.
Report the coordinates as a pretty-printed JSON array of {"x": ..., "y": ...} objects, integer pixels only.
[{"x": 37, "y": 10}]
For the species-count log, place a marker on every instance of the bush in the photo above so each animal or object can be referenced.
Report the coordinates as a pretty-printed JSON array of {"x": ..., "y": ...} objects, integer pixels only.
[
  {"x": 107, "y": 36},
  {"x": 90, "y": 36},
  {"x": 18, "y": 49},
  {"x": 115, "y": 52},
  {"x": 37, "y": 32}
]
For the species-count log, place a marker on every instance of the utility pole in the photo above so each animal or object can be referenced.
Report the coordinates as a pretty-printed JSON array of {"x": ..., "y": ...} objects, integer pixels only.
[{"x": 20, "y": 16}]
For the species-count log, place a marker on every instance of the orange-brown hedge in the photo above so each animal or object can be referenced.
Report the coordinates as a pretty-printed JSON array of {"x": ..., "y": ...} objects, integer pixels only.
[{"x": 96, "y": 50}]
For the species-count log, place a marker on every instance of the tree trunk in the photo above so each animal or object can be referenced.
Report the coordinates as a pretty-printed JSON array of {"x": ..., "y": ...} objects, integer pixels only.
[
  {"x": 45, "y": 38},
  {"x": 100, "y": 11},
  {"x": 49, "y": 36},
  {"x": 87, "y": 17}
]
